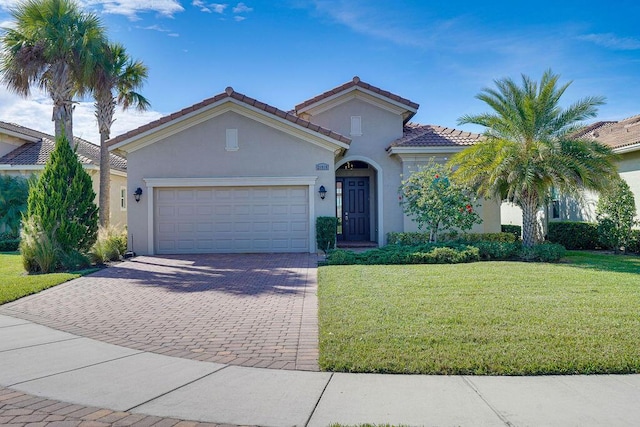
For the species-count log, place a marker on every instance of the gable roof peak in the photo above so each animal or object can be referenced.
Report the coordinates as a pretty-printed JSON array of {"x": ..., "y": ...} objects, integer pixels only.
[
  {"x": 228, "y": 90},
  {"x": 357, "y": 83}
]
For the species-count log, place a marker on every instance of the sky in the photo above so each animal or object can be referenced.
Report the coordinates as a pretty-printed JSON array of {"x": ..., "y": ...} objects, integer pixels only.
[{"x": 283, "y": 52}]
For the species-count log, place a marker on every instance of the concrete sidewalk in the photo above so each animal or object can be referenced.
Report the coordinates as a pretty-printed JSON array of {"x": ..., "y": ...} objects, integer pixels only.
[{"x": 57, "y": 365}]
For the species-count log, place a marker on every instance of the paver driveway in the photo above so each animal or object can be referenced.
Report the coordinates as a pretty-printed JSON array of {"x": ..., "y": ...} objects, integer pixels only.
[{"x": 249, "y": 310}]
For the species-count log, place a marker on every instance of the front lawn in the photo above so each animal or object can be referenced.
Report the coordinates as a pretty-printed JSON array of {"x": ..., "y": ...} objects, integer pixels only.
[
  {"x": 15, "y": 283},
  {"x": 503, "y": 318}
]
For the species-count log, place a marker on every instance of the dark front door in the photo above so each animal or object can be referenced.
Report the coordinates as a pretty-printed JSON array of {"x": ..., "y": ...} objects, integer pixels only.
[{"x": 355, "y": 209}]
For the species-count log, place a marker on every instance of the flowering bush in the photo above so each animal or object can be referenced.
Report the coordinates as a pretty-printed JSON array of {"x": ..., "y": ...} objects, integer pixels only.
[{"x": 435, "y": 202}]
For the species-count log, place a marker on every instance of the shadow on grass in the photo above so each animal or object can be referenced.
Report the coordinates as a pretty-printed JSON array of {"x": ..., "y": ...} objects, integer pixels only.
[{"x": 602, "y": 261}]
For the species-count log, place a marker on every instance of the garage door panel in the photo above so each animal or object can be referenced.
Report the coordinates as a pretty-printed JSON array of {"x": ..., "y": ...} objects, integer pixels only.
[{"x": 232, "y": 219}]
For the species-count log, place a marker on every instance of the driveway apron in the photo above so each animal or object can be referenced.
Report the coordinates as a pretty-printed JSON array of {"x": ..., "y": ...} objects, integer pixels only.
[{"x": 256, "y": 310}]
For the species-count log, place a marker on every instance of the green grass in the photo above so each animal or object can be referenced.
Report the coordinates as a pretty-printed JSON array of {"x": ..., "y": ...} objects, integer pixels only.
[
  {"x": 15, "y": 283},
  {"x": 503, "y": 318}
]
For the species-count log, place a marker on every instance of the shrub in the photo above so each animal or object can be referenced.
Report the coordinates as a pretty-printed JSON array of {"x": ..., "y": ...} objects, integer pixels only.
[
  {"x": 110, "y": 245},
  {"x": 9, "y": 245},
  {"x": 615, "y": 212},
  {"x": 61, "y": 202},
  {"x": 487, "y": 237},
  {"x": 437, "y": 203},
  {"x": 423, "y": 254},
  {"x": 574, "y": 235},
  {"x": 516, "y": 230},
  {"x": 634, "y": 242},
  {"x": 407, "y": 239},
  {"x": 498, "y": 250},
  {"x": 544, "y": 252},
  {"x": 326, "y": 230},
  {"x": 40, "y": 252},
  {"x": 14, "y": 191}
]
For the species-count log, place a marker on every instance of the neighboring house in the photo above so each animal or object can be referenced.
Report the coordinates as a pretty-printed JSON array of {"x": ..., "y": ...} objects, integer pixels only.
[
  {"x": 24, "y": 152},
  {"x": 624, "y": 138},
  {"x": 233, "y": 174}
]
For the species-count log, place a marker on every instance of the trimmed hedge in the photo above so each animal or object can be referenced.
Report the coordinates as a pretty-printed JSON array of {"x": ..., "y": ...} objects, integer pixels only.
[
  {"x": 9, "y": 245},
  {"x": 448, "y": 253},
  {"x": 634, "y": 242},
  {"x": 326, "y": 229},
  {"x": 418, "y": 238},
  {"x": 574, "y": 235},
  {"x": 516, "y": 230},
  {"x": 423, "y": 254}
]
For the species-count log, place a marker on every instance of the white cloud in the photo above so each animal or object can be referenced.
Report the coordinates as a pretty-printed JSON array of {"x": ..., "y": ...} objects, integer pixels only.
[
  {"x": 242, "y": 8},
  {"x": 35, "y": 113},
  {"x": 131, "y": 8},
  {"x": 218, "y": 7},
  {"x": 611, "y": 41},
  {"x": 239, "y": 18},
  {"x": 173, "y": 35},
  {"x": 211, "y": 7}
]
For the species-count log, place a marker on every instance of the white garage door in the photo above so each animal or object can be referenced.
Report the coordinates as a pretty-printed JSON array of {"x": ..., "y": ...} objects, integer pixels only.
[{"x": 232, "y": 219}]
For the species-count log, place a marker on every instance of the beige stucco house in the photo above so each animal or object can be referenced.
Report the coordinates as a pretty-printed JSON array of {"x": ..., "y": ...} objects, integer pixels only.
[
  {"x": 624, "y": 138},
  {"x": 24, "y": 152},
  {"x": 233, "y": 174}
]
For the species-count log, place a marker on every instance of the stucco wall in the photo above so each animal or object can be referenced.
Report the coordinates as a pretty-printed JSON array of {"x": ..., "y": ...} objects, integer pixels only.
[
  {"x": 379, "y": 128},
  {"x": 629, "y": 169},
  {"x": 199, "y": 152},
  {"x": 9, "y": 143}
]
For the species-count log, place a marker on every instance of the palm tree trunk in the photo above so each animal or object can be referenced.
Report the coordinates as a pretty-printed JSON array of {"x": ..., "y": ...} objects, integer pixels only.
[
  {"x": 529, "y": 220},
  {"x": 61, "y": 90},
  {"x": 105, "y": 109}
]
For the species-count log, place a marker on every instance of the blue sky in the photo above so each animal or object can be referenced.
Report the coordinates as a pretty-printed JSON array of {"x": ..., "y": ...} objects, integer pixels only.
[{"x": 438, "y": 54}]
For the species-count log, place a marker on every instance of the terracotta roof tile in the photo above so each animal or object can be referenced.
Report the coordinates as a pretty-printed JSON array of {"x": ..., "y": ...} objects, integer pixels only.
[
  {"x": 417, "y": 135},
  {"x": 37, "y": 153},
  {"x": 357, "y": 82},
  {"x": 614, "y": 134},
  {"x": 230, "y": 93}
]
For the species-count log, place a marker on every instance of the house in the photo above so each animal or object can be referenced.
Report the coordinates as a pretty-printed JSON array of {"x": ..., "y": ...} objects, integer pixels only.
[
  {"x": 233, "y": 174},
  {"x": 25, "y": 151},
  {"x": 624, "y": 138}
]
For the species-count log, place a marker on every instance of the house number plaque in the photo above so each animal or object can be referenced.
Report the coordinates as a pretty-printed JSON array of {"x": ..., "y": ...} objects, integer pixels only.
[{"x": 322, "y": 166}]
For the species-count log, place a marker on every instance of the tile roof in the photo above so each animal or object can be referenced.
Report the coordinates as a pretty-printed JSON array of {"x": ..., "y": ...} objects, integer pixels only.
[
  {"x": 37, "y": 153},
  {"x": 614, "y": 134},
  {"x": 417, "y": 135},
  {"x": 230, "y": 93},
  {"x": 359, "y": 83}
]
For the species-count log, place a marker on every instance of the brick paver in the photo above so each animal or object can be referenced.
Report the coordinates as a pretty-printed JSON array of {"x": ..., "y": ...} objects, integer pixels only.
[
  {"x": 22, "y": 414},
  {"x": 255, "y": 310}
]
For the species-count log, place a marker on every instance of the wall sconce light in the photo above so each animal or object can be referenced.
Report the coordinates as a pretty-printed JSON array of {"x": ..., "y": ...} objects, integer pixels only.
[
  {"x": 137, "y": 194},
  {"x": 322, "y": 191}
]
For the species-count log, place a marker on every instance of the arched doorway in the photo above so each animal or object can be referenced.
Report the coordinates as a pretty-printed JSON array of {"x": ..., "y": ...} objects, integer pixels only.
[{"x": 358, "y": 201}]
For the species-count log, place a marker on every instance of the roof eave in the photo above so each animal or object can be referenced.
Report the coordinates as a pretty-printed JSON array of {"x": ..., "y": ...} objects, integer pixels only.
[
  {"x": 430, "y": 149},
  {"x": 627, "y": 148}
]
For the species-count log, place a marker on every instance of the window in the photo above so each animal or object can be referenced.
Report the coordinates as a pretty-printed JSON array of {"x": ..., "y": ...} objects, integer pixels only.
[
  {"x": 339, "y": 205},
  {"x": 123, "y": 198},
  {"x": 555, "y": 209},
  {"x": 232, "y": 140},
  {"x": 356, "y": 125}
]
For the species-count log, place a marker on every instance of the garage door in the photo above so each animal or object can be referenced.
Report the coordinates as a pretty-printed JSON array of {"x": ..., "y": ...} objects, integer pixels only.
[{"x": 232, "y": 219}]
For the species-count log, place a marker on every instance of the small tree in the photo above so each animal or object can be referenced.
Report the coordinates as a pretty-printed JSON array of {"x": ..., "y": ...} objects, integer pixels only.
[
  {"x": 14, "y": 191},
  {"x": 436, "y": 202},
  {"x": 616, "y": 211},
  {"x": 61, "y": 204}
]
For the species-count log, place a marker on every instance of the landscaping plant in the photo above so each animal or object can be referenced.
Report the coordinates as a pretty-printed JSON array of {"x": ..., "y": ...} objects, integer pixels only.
[
  {"x": 437, "y": 203},
  {"x": 14, "y": 191},
  {"x": 616, "y": 211},
  {"x": 60, "y": 207}
]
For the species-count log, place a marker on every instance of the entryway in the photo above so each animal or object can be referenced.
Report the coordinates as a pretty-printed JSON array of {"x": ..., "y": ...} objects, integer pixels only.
[{"x": 356, "y": 204}]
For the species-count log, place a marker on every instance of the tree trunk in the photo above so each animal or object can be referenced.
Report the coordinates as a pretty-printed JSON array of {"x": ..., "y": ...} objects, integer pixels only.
[
  {"x": 105, "y": 109},
  {"x": 61, "y": 89},
  {"x": 529, "y": 221}
]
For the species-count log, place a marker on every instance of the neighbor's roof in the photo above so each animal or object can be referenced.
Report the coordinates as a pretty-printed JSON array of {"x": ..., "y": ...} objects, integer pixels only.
[
  {"x": 614, "y": 134},
  {"x": 356, "y": 82},
  {"x": 38, "y": 152},
  {"x": 417, "y": 135},
  {"x": 230, "y": 93}
]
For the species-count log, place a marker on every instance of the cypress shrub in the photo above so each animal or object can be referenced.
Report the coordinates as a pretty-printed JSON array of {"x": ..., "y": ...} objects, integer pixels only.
[{"x": 62, "y": 206}]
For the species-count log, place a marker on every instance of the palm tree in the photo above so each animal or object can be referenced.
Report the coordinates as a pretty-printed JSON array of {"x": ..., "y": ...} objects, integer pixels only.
[
  {"x": 530, "y": 148},
  {"x": 53, "y": 46},
  {"x": 118, "y": 73}
]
